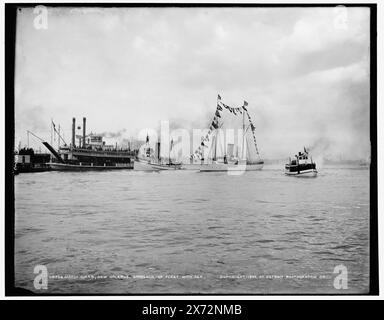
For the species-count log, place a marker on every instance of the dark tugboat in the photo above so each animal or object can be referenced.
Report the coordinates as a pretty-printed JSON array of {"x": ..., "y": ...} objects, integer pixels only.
[
  {"x": 301, "y": 165},
  {"x": 91, "y": 153}
]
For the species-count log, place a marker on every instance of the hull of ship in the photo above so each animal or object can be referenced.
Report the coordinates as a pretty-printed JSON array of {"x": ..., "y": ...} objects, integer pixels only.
[
  {"x": 147, "y": 166},
  {"x": 311, "y": 173},
  {"x": 77, "y": 167},
  {"x": 191, "y": 166},
  {"x": 223, "y": 167}
]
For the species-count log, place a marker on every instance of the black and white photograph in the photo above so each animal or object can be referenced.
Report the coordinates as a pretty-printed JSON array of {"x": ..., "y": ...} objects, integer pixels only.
[{"x": 193, "y": 149}]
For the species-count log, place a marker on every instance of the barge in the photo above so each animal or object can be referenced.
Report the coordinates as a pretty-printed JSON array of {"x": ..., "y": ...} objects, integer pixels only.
[{"x": 27, "y": 160}]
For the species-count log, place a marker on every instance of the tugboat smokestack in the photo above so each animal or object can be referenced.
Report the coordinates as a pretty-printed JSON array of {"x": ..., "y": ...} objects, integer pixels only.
[
  {"x": 73, "y": 131},
  {"x": 84, "y": 124}
]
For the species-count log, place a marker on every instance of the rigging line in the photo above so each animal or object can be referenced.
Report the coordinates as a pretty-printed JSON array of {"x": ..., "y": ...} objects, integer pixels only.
[
  {"x": 257, "y": 150},
  {"x": 217, "y": 135},
  {"x": 35, "y": 135},
  {"x": 254, "y": 139},
  {"x": 203, "y": 137},
  {"x": 60, "y": 137}
]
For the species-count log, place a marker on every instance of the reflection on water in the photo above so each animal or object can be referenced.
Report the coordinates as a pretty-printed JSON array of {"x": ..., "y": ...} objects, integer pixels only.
[{"x": 186, "y": 232}]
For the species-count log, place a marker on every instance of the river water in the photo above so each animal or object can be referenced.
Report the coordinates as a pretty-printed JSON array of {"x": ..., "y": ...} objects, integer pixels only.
[{"x": 185, "y": 232}]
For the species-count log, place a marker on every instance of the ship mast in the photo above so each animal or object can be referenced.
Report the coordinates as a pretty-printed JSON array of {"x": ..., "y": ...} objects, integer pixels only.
[
  {"x": 51, "y": 132},
  {"x": 215, "y": 149},
  {"x": 58, "y": 142}
]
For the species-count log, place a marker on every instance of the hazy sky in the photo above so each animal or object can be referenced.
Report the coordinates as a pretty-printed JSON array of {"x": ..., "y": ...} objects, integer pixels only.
[{"x": 304, "y": 72}]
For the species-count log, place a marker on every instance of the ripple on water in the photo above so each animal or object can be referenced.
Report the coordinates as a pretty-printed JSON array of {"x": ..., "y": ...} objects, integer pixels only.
[{"x": 135, "y": 223}]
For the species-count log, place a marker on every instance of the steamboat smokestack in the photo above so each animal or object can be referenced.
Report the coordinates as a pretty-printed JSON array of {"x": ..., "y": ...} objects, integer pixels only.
[
  {"x": 73, "y": 132},
  {"x": 84, "y": 124}
]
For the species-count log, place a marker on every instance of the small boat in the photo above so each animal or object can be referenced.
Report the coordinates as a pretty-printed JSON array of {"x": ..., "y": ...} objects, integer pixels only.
[
  {"x": 301, "y": 165},
  {"x": 151, "y": 160}
]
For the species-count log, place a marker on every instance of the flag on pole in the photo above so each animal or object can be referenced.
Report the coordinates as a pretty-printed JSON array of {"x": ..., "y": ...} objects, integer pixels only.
[
  {"x": 245, "y": 105},
  {"x": 218, "y": 97}
]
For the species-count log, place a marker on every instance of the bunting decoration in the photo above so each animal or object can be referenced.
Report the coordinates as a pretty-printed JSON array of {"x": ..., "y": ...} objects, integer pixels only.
[
  {"x": 215, "y": 124},
  {"x": 253, "y": 128},
  {"x": 245, "y": 105}
]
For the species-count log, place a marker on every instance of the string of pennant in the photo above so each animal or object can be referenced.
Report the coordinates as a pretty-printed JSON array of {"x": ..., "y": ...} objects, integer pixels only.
[
  {"x": 253, "y": 128},
  {"x": 235, "y": 111},
  {"x": 215, "y": 124}
]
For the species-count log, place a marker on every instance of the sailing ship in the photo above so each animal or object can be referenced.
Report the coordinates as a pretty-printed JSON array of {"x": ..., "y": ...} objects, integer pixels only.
[
  {"x": 150, "y": 159},
  {"x": 301, "y": 165},
  {"x": 91, "y": 153},
  {"x": 246, "y": 158}
]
